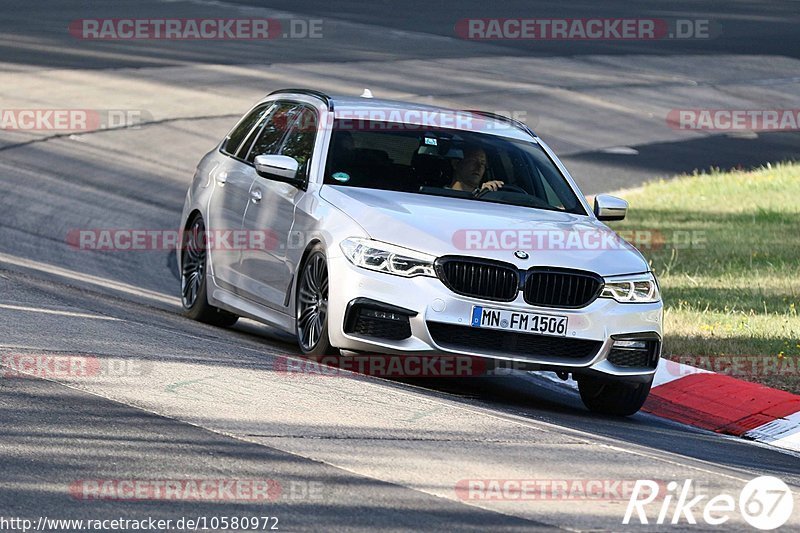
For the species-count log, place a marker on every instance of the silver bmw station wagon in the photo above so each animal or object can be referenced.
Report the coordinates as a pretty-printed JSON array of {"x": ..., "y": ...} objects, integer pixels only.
[{"x": 393, "y": 228}]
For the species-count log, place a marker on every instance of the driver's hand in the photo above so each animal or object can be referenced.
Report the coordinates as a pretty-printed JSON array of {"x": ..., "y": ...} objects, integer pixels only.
[{"x": 492, "y": 185}]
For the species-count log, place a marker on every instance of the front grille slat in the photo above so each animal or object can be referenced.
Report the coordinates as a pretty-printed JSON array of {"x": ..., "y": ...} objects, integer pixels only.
[
  {"x": 569, "y": 284},
  {"x": 471, "y": 278},
  {"x": 539, "y": 290},
  {"x": 580, "y": 285},
  {"x": 492, "y": 341}
]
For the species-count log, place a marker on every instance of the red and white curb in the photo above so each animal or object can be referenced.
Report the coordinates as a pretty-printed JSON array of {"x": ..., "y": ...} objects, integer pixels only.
[{"x": 722, "y": 404}]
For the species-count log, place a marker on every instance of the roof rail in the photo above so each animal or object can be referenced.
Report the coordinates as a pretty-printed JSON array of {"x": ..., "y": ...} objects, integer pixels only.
[
  {"x": 521, "y": 125},
  {"x": 310, "y": 92}
]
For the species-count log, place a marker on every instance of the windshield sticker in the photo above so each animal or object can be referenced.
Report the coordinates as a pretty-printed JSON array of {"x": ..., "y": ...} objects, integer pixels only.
[
  {"x": 430, "y": 142},
  {"x": 341, "y": 176}
]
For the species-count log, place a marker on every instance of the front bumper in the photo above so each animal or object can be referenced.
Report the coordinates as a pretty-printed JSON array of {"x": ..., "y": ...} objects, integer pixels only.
[{"x": 431, "y": 304}]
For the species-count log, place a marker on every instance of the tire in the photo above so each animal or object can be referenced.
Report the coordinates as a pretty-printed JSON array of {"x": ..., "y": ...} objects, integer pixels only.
[
  {"x": 613, "y": 397},
  {"x": 194, "y": 296},
  {"x": 311, "y": 305}
]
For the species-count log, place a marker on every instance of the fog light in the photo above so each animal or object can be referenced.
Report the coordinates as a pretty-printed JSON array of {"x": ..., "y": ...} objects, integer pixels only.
[
  {"x": 374, "y": 313},
  {"x": 631, "y": 345}
]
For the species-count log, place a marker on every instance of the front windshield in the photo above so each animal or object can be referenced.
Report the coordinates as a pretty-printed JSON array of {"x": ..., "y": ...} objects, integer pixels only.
[{"x": 446, "y": 162}]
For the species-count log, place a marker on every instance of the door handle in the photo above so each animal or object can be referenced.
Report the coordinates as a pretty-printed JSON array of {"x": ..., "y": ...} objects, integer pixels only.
[{"x": 255, "y": 195}]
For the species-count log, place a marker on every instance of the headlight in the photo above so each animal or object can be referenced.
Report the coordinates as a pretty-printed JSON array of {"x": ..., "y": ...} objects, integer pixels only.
[
  {"x": 640, "y": 288},
  {"x": 388, "y": 258}
]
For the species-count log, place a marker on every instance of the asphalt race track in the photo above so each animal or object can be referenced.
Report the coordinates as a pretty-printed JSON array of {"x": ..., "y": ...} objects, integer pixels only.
[{"x": 359, "y": 453}]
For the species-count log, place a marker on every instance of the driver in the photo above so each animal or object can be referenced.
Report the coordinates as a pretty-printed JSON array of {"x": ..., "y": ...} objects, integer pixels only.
[{"x": 468, "y": 172}]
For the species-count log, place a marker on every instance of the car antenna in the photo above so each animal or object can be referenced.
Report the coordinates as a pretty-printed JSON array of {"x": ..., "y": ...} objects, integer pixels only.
[{"x": 366, "y": 94}]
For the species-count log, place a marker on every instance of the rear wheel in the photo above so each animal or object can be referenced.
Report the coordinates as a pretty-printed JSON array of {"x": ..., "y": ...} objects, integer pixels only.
[
  {"x": 312, "y": 305},
  {"x": 613, "y": 397},
  {"x": 193, "y": 279}
]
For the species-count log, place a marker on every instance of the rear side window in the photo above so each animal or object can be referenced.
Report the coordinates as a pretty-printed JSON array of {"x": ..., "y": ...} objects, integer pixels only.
[
  {"x": 245, "y": 126},
  {"x": 272, "y": 132}
]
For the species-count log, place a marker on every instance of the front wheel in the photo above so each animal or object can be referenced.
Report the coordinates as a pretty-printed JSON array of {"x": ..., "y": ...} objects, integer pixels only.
[
  {"x": 613, "y": 397},
  {"x": 312, "y": 305}
]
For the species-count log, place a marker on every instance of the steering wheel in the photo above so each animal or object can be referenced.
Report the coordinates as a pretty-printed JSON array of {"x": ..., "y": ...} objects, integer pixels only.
[{"x": 505, "y": 188}]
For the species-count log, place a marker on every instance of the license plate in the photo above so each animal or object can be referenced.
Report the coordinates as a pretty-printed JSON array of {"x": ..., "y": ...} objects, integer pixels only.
[{"x": 488, "y": 317}]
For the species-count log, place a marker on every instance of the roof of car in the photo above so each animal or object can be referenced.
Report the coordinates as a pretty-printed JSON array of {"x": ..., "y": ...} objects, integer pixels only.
[{"x": 379, "y": 109}]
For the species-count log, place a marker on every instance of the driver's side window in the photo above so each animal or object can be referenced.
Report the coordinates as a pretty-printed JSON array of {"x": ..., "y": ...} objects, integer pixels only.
[
  {"x": 240, "y": 138},
  {"x": 272, "y": 132},
  {"x": 299, "y": 142}
]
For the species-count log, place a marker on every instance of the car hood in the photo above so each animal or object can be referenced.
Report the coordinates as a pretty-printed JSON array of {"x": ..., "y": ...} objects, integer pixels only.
[{"x": 452, "y": 226}]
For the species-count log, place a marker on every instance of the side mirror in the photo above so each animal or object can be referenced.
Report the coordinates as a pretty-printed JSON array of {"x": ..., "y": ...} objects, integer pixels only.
[
  {"x": 607, "y": 207},
  {"x": 279, "y": 168}
]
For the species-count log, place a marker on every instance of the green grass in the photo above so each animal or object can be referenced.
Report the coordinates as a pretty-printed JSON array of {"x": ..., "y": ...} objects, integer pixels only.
[{"x": 728, "y": 259}]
